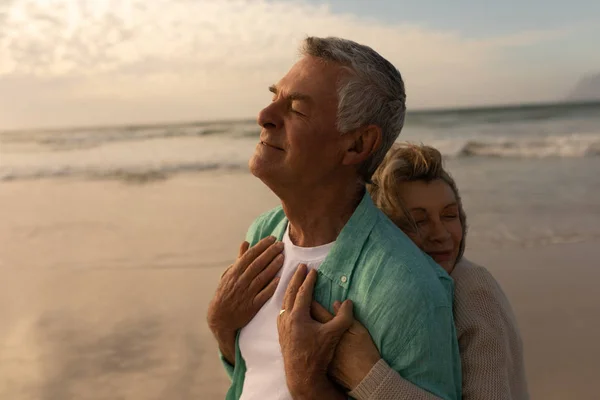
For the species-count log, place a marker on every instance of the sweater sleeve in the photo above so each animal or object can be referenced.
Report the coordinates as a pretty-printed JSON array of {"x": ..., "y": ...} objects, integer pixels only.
[
  {"x": 383, "y": 383},
  {"x": 489, "y": 340}
]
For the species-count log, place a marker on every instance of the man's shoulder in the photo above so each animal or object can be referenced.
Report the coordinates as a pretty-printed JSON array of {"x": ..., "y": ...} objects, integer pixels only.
[
  {"x": 387, "y": 237},
  {"x": 398, "y": 249},
  {"x": 268, "y": 223},
  {"x": 393, "y": 262}
]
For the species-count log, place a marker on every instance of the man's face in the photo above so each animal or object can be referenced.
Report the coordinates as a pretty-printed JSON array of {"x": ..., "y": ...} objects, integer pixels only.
[{"x": 300, "y": 145}]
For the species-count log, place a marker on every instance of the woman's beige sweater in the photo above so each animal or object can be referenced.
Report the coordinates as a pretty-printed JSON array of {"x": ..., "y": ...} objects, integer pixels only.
[{"x": 490, "y": 346}]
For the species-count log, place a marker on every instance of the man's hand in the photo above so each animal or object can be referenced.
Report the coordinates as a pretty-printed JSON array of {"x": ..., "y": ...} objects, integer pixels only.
[
  {"x": 355, "y": 355},
  {"x": 244, "y": 288},
  {"x": 308, "y": 346}
]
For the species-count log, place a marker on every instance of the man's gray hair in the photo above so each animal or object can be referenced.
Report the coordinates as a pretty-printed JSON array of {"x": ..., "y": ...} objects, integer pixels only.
[{"x": 373, "y": 94}]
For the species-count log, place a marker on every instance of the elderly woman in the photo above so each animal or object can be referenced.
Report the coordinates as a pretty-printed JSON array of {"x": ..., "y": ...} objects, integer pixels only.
[{"x": 416, "y": 192}]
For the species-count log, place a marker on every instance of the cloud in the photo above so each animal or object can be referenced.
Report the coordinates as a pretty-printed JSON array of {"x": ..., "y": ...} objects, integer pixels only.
[{"x": 116, "y": 61}]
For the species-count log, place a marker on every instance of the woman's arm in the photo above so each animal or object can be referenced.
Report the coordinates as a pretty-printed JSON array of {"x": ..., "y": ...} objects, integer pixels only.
[{"x": 383, "y": 383}]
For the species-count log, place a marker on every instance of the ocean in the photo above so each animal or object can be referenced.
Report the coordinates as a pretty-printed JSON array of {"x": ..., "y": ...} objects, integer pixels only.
[{"x": 529, "y": 175}]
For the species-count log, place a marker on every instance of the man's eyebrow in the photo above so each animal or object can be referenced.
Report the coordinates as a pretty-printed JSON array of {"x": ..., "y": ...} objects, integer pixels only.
[{"x": 291, "y": 96}]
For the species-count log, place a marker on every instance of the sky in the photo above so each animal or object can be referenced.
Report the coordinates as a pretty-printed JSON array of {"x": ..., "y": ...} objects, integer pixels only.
[{"x": 105, "y": 62}]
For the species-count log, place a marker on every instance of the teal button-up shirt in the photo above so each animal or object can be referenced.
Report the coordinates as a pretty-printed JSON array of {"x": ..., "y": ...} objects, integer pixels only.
[{"x": 400, "y": 294}]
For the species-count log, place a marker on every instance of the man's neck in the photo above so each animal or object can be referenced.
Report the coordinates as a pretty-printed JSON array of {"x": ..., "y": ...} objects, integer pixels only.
[{"x": 317, "y": 217}]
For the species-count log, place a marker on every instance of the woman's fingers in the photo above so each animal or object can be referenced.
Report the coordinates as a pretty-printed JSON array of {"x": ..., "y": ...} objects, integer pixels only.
[
  {"x": 320, "y": 313},
  {"x": 342, "y": 320},
  {"x": 336, "y": 306}
]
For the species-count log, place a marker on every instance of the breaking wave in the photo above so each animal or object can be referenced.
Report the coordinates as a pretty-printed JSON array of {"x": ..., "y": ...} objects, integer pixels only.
[{"x": 576, "y": 146}]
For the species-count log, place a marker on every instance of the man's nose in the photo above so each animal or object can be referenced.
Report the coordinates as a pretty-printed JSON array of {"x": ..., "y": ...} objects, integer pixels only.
[{"x": 270, "y": 117}]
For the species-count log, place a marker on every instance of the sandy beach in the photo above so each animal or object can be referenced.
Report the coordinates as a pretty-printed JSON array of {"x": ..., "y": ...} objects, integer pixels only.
[{"x": 104, "y": 287}]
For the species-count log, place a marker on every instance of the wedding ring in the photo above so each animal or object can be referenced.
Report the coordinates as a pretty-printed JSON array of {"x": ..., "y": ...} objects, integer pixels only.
[{"x": 282, "y": 311}]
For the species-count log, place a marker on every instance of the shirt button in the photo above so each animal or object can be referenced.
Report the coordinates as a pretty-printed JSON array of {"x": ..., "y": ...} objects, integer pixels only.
[{"x": 344, "y": 279}]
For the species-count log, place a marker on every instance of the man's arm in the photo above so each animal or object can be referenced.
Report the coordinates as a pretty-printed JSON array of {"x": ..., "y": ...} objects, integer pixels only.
[
  {"x": 358, "y": 366},
  {"x": 429, "y": 358},
  {"x": 408, "y": 311}
]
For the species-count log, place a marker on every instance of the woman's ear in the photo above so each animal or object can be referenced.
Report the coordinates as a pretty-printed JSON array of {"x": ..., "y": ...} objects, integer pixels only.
[{"x": 361, "y": 144}]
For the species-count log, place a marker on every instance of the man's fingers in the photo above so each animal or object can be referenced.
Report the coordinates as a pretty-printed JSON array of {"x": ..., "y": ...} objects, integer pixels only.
[
  {"x": 265, "y": 294},
  {"x": 261, "y": 262},
  {"x": 342, "y": 320},
  {"x": 266, "y": 275},
  {"x": 305, "y": 293},
  {"x": 227, "y": 270},
  {"x": 242, "y": 263},
  {"x": 293, "y": 287},
  {"x": 243, "y": 248},
  {"x": 320, "y": 313}
]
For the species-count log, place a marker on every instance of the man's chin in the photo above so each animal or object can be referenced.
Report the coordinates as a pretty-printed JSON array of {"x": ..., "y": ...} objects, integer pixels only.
[
  {"x": 268, "y": 173},
  {"x": 254, "y": 165},
  {"x": 259, "y": 168}
]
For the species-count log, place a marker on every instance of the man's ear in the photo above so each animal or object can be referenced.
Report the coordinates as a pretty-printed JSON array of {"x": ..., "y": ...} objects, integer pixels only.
[{"x": 361, "y": 144}]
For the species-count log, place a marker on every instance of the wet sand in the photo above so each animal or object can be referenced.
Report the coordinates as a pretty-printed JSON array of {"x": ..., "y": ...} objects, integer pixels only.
[{"x": 104, "y": 287}]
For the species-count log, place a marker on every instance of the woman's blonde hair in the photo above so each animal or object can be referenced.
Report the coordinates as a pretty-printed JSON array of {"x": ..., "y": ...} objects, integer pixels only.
[{"x": 407, "y": 162}]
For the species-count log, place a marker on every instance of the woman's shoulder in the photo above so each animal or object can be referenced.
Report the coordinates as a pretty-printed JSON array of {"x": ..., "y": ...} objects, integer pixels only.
[
  {"x": 478, "y": 296},
  {"x": 469, "y": 276}
]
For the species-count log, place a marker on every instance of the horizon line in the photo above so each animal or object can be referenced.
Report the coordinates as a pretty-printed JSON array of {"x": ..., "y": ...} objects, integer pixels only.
[{"x": 422, "y": 111}]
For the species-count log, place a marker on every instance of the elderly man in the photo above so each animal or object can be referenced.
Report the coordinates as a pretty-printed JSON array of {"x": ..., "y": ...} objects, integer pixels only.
[{"x": 333, "y": 117}]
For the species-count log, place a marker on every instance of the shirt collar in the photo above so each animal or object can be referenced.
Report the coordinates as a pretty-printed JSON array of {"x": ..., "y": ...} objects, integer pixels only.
[
  {"x": 341, "y": 261},
  {"x": 342, "y": 258}
]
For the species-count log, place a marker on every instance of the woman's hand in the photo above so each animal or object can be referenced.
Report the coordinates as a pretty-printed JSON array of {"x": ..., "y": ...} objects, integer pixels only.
[
  {"x": 244, "y": 288},
  {"x": 355, "y": 355}
]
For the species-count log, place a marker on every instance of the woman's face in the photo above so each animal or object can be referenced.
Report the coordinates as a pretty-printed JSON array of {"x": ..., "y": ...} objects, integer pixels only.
[{"x": 435, "y": 210}]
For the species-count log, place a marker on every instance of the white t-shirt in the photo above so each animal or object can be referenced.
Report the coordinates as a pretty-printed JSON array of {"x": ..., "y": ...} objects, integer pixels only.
[{"x": 259, "y": 340}]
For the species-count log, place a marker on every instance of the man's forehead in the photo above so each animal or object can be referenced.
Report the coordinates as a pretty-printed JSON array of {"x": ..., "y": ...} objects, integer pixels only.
[{"x": 312, "y": 77}]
